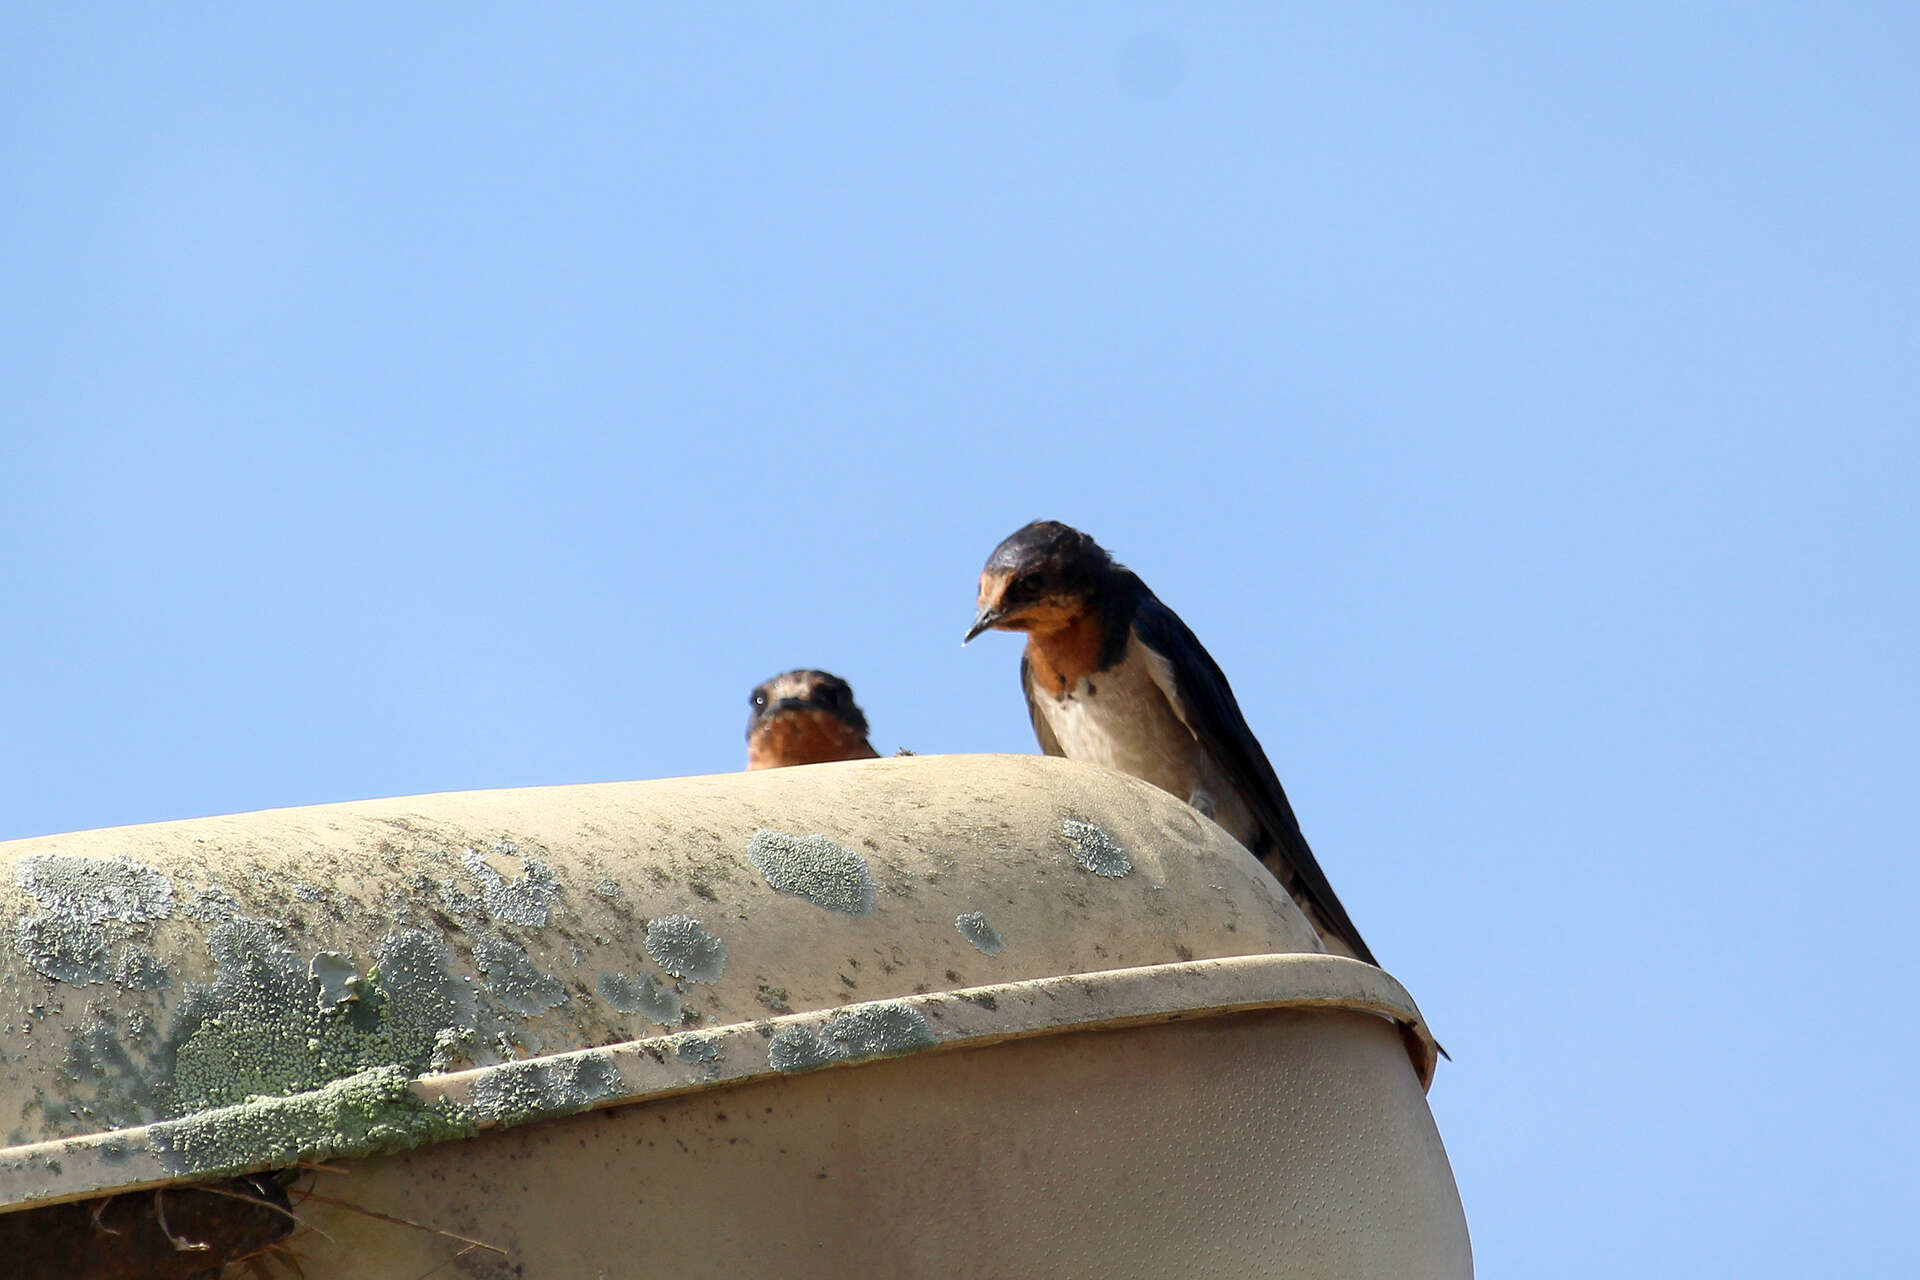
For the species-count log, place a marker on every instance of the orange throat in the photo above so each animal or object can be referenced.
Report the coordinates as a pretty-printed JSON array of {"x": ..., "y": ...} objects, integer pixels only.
[
  {"x": 1064, "y": 655},
  {"x": 805, "y": 737}
]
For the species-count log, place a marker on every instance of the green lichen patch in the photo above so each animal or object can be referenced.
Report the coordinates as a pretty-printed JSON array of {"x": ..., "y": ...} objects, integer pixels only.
[
  {"x": 369, "y": 1113},
  {"x": 270, "y": 1024},
  {"x": 683, "y": 947},
  {"x": 93, "y": 890},
  {"x": 974, "y": 927},
  {"x": 1095, "y": 850},
  {"x": 872, "y": 1031},
  {"x": 516, "y": 1092},
  {"x": 645, "y": 996},
  {"x": 815, "y": 868},
  {"x": 249, "y": 1032},
  {"x": 263, "y": 1027},
  {"x": 453, "y": 1047}
]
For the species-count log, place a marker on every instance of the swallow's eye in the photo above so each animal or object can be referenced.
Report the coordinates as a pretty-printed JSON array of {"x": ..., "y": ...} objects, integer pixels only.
[
  {"x": 828, "y": 697},
  {"x": 757, "y": 698},
  {"x": 1026, "y": 584}
]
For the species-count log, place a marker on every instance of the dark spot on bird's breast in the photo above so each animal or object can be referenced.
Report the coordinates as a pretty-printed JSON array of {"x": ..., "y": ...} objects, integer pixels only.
[{"x": 1064, "y": 656}]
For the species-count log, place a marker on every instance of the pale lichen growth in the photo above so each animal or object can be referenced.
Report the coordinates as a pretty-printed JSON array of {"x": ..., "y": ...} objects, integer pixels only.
[
  {"x": 973, "y": 926},
  {"x": 526, "y": 900},
  {"x": 515, "y": 1092},
  {"x": 85, "y": 906},
  {"x": 683, "y": 947},
  {"x": 96, "y": 889},
  {"x": 697, "y": 1050},
  {"x": 63, "y": 948},
  {"x": 813, "y": 867},
  {"x": 514, "y": 980},
  {"x": 874, "y": 1031},
  {"x": 212, "y": 904},
  {"x": 138, "y": 969},
  {"x": 1095, "y": 850},
  {"x": 645, "y": 996}
]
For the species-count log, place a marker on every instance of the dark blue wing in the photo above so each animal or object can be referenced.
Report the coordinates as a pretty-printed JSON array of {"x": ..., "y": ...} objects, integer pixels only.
[{"x": 1205, "y": 702}]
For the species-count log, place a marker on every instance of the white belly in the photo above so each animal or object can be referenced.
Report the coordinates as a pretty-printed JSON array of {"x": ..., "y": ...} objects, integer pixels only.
[{"x": 1120, "y": 718}]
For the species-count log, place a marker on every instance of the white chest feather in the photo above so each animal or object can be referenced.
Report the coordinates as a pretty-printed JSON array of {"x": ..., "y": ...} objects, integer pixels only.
[{"x": 1122, "y": 718}]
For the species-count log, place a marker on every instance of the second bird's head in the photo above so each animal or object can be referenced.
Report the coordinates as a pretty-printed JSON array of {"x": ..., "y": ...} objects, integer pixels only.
[
  {"x": 1040, "y": 579},
  {"x": 804, "y": 717}
]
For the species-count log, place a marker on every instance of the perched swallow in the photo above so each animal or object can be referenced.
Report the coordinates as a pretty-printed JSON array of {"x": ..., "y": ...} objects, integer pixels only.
[
  {"x": 805, "y": 717},
  {"x": 1113, "y": 677}
]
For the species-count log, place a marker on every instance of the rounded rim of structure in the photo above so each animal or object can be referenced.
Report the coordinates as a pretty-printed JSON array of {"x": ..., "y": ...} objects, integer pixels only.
[{"x": 442, "y": 1106}]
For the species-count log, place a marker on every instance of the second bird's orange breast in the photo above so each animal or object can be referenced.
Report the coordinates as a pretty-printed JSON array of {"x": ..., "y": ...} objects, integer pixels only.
[{"x": 805, "y": 737}]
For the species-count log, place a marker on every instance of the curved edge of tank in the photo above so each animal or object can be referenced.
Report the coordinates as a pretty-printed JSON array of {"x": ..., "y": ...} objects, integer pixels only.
[{"x": 385, "y": 1109}]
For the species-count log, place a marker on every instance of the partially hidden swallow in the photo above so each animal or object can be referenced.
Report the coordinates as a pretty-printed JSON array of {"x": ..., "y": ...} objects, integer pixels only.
[
  {"x": 1114, "y": 677},
  {"x": 805, "y": 717}
]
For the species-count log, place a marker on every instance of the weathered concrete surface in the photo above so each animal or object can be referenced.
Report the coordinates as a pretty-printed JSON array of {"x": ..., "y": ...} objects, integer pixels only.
[
  {"x": 151, "y": 973},
  {"x": 197, "y": 998}
]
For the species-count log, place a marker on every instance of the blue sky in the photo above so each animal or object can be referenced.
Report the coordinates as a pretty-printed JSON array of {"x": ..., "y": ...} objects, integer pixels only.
[{"x": 1521, "y": 403}]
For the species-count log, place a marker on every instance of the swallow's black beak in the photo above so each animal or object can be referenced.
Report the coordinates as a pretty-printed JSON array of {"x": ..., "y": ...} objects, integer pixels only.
[{"x": 987, "y": 618}]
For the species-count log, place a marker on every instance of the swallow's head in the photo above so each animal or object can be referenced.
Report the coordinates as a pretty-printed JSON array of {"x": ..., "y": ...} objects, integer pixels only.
[
  {"x": 1040, "y": 579},
  {"x": 804, "y": 717}
]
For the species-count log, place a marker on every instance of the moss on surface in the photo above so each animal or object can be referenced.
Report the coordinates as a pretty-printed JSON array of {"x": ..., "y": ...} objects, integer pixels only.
[
  {"x": 268, "y": 1025},
  {"x": 368, "y": 1113}
]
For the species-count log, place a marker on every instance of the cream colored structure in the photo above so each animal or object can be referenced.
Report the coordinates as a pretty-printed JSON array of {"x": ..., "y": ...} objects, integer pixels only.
[{"x": 933, "y": 1016}]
